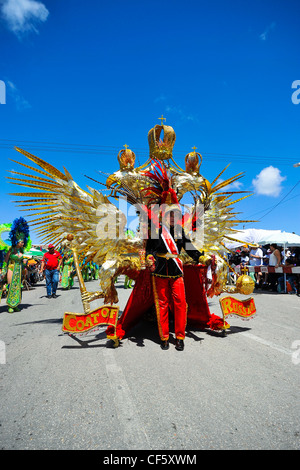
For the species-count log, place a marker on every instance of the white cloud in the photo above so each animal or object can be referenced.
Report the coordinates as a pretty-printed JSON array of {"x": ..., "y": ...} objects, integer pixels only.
[
  {"x": 265, "y": 34},
  {"x": 16, "y": 96},
  {"x": 23, "y": 15},
  {"x": 181, "y": 113},
  {"x": 161, "y": 97},
  {"x": 268, "y": 182}
]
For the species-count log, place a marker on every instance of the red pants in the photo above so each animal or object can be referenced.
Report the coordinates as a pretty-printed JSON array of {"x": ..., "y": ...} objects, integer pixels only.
[{"x": 169, "y": 293}]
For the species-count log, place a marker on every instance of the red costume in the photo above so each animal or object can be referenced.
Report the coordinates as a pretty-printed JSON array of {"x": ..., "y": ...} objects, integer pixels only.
[
  {"x": 163, "y": 284},
  {"x": 141, "y": 301},
  {"x": 167, "y": 278},
  {"x": 170, "y": 291}
]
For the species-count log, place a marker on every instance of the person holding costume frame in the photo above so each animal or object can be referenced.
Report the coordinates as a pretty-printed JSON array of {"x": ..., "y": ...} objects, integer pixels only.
[{"x": 163, "y": 257}]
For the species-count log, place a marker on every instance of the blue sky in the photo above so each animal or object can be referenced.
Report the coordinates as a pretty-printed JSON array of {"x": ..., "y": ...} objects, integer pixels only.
[{"x": 84, "y": 78}]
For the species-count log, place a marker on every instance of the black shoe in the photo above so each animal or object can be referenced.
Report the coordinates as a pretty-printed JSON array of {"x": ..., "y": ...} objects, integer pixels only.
[
  {"x": 49, "y": 296},
  {"x": 113, "y": 343},
  {"x": 54, "y": 296},
  {"x": 164, "y": 345},
  {"x": 179, "y": 345}
]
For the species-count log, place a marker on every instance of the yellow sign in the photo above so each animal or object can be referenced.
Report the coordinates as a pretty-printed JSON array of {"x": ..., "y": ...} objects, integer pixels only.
[
  {"x": 79, "y": 322},
  {"x": 242, "y": 308}
]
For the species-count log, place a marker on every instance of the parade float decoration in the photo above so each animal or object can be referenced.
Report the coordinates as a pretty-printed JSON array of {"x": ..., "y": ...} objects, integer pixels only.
[{"x": 90, "y": 223}]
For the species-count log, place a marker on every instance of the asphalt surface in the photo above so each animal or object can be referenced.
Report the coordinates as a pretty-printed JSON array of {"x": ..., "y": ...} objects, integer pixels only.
[{"x": 236, "y": 392}]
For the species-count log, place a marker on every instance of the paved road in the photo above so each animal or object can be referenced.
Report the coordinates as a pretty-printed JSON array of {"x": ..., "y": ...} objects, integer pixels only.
[{"x": 237, "y": 392}]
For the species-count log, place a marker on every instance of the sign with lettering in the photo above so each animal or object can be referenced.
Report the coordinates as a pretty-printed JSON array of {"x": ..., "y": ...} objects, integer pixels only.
[
  {"x": 107, "y": 315},
  {"x": 242, "y": 308}
]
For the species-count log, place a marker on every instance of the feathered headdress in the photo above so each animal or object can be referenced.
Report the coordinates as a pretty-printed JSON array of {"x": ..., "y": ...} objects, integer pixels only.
[
  {"x": 20, "y": 231},
  {"x": 161, "y": 190}
]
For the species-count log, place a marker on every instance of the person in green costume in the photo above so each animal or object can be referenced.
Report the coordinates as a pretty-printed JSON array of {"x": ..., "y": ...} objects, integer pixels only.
[
  {"x": 96, "y": 271},
  {"x": 19, "y": 236},
  {"x": 128, "y": 283},
  {"x": 85, "y": 271},
  {"x": 92, "y": 271},
  {"x": 67, "y": 280}
]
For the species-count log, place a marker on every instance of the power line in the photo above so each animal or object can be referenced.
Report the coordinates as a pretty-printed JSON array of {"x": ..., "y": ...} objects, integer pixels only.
[
  {"x": 96, "y": 148},
  {"x": 276, "y": 205},
  {"x": 263, "y": 210}
]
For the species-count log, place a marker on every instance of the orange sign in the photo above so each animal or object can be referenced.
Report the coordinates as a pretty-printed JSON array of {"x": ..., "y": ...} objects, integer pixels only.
[
  {"x": 242, "y": 308},
  {"x": 79, "y": 322}
]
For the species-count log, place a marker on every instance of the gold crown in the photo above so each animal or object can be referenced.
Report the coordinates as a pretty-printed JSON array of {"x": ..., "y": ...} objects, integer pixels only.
[
  {"x": 126, "y": 158},
  {"x": 161, "y": 149},
  {"x": 192, "y": 164}
]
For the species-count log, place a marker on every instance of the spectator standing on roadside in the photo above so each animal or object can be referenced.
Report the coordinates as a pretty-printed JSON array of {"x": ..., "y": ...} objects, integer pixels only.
[
  {"x": 244, "y": 258},
  {"x": 291, "y": 278},
  {"x": 51, "y": 262},
  {"x": 275, "y": 260},
  {"x": 256, "y": 256}
]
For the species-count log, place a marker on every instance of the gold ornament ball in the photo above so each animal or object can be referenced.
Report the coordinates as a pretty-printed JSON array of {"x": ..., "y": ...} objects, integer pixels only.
[
  {"x": 205, "y": 259},
  {"x": 70, "y": 237},
  {"x": 245, "y": 285}
]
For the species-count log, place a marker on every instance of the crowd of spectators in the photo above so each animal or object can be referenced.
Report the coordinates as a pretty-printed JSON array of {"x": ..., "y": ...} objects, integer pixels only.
[{"x": 270, "y": 255}]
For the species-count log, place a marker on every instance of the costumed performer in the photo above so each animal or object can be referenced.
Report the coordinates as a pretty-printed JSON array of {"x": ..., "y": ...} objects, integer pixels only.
[
  {"x": 163, "y": 253},
  {"x": 67, "y": 280},
  {"x": 127, "y": 283},
  {"x": 19, "y": 237}
]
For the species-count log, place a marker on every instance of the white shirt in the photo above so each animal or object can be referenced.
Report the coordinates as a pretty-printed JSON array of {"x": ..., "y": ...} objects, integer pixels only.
[
  {"x": 256, "y": 261},
  {"x": 273, "y": 260}
]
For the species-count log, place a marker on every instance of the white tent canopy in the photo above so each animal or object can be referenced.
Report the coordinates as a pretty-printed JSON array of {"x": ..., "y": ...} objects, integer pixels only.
[
  {"x": 262, "y": 237},
  {"x": 251, "y": 235},
  {"x": 282, "y": 238}
]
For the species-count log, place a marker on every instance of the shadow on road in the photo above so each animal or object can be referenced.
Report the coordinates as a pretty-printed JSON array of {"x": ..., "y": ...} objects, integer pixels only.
[
  {"x": 86, "y": 343},
  {"x": 144, "y": 330},
  {"x": 4, "y": 308}
]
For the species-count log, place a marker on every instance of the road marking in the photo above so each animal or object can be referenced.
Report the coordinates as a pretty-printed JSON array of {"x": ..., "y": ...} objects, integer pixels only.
[
  {"x": 135, "y": 436},
  {"x": 267, "y": 343}
]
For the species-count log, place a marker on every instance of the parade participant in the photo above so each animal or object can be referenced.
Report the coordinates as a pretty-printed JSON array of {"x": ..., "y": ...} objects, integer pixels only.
[
  {"x": 127, "y": 283},
  {"x": 67, "y": 280},
  {"x": 19, "y": 237},
  {"x": 167, "y": 278},
  {"x": 96, "y": 271},
  {"x": 163, "y": 252},
  {"x": 51, "y": 262},
  {"x": 73, "y": 214},
  {"x": 85, "y": 271}
]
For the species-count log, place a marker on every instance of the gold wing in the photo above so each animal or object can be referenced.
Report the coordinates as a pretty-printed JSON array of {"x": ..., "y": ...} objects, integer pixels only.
[
  {"x": 215, "y": 206},
  {"x": 61, "y": 207}
]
